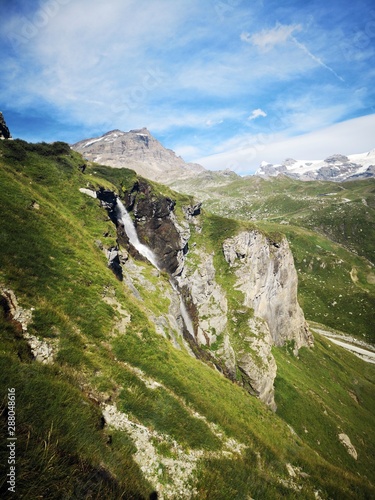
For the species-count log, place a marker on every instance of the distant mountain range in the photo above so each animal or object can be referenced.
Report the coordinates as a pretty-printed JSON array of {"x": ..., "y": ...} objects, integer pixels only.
[
  {"x": 140, "y": 151},
  {"x": 137, "y": 150},
  {"x": 337, "y": 168}
]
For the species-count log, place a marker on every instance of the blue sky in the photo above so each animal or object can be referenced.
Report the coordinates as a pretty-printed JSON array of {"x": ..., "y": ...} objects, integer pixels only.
[{"x": 227, "y": 83}]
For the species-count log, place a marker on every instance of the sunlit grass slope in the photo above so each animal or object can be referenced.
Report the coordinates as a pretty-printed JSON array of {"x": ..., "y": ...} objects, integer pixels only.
[{"x": 50, "y": 258}]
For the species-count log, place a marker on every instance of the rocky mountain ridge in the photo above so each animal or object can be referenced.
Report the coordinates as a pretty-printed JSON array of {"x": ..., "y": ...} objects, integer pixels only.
[
  {"x": 337, "y": 168},
  {"x": 138, "y": 150}
]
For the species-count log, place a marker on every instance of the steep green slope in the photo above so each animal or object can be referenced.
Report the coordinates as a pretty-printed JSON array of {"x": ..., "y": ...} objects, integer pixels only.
[{"x": 163, "y": 407}]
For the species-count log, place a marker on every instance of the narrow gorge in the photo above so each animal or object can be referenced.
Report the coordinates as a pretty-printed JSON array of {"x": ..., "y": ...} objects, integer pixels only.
[{"x": 234, "y": 326}]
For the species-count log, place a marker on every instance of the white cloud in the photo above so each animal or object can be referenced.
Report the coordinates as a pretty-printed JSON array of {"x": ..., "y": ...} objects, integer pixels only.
[
  {"x": 349, "y": 137},
  {"x": 256, "y": 113},
  {"x": 211, "y": 123},
  {"x": 266, "y": 40}
]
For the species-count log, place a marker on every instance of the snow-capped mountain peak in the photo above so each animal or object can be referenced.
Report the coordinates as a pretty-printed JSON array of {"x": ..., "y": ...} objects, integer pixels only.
[{"x": 336, "y": 167}]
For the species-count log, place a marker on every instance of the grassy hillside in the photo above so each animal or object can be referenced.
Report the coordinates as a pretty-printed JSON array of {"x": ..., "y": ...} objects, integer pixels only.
[{"x": 182, "y": 428}]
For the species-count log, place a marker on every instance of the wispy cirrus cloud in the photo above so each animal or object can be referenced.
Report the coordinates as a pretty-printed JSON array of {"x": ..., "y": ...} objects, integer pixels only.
[
  {"x": 267, "y": 39},
  {"x": 315, "y": 58}
]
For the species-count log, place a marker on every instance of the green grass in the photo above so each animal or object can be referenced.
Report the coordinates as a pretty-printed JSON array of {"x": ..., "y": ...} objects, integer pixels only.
[
  {"x": 49, "y": 257},
  {"x": 61, "y": 446},
  {"x": 324, "y": 392},
  {"x": 327, "y": 292}
]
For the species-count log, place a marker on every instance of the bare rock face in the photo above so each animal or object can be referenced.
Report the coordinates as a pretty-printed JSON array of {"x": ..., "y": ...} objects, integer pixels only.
[
  {"x": 249, "y": 352},
  {"x": 258, "y": 369},
  {"x": 209, "y": 299},
  {"x": 137, "y": 150},
  {"x": 4, "y": 130},
  {"x": 268, "y": 279},
  {"x": 157, "y": 226},
  {"x": 345, "y": 440}
]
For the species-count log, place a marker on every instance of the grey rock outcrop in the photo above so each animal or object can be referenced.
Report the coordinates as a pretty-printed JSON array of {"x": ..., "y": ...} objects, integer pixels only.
[
  {"x": 209, "y": 299},
  {"x": 12, "y": 310},
  {"x": 114, "y": 261},
  {"x": 258, "y": 367},
  {"x": 267, "y": 277},
  {"x": 345, "y": 440},
  {"x": 41, "y": 351},
  {"x": 250, "y": 353},
  {"x": 4, "y": 130}
]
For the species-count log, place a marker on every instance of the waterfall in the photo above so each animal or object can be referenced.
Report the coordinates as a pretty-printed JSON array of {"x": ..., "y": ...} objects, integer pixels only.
[
  {"x": 186, "y": 318},
  {"x": 184, "y": 312},
  {"x": 124, "y": 216}
]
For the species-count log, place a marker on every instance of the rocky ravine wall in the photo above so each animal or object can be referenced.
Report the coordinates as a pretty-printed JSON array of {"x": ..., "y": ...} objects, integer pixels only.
[
  {"x": 248, "y": 348},
  {"x": 266, "y": 276},
  {"x": 238, "y": 342}
]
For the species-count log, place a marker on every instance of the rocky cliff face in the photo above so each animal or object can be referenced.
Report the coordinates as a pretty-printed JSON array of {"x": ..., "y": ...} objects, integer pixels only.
[
  {"x": 268, "y": 279},
  {"x": 237, "y": 340},
  {"x": 137, "y": 150},
  {"x": 269, "y": 315},
  {"x": 240, "y": 342},
  {"x": 4, "y": 130},
  {"x": 157, "y": 226}
]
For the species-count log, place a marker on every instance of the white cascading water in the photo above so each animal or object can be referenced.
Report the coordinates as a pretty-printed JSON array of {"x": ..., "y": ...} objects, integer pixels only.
[
  {"x": 186, "y": 318},
  {"x": 131, "y": 232},
  {"x": 124, "y": 216},
  {"x": 149, "y": 254},
  {"x": 184, "y": 313}
]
